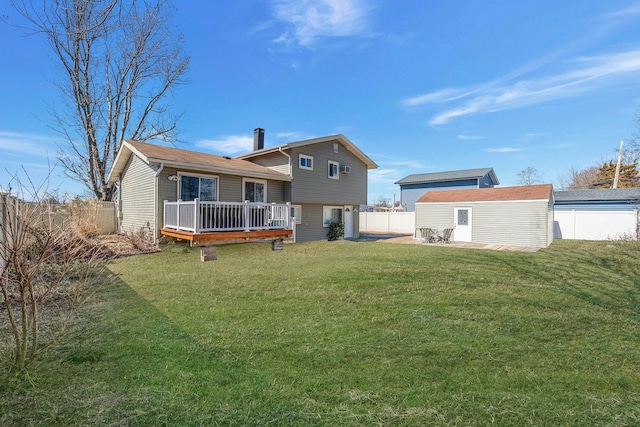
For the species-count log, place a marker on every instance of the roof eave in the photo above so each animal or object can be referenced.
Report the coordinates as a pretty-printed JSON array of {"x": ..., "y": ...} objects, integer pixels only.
[
  {"x": 216, "y": 169},
  {"x": 343, "y": 139}
]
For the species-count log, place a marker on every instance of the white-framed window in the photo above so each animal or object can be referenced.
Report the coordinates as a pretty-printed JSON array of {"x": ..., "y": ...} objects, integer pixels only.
[
  {"x": 254, "y": 190},
  {"x": 296, "y": 212},
  {"x": 331, "y": 213},
  {"x": 334, "y": 170},
  {"x": 192, "y": 186},
  {"x": 305, "y": 162}
]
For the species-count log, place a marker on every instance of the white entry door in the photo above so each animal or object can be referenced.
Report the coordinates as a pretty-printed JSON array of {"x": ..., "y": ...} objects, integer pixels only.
[
  {"x": 348, "y": 222},
  {"x": 462, "y": 224}
]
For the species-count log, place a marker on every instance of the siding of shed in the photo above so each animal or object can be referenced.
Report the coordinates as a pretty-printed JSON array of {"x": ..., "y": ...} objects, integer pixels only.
[
  {"x": 524, "y": 223},
  {"x": 137, "y": 196}
]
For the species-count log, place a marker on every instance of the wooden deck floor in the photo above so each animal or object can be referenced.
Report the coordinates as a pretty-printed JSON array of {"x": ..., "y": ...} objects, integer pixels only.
[{"x": 223, "y": 237}]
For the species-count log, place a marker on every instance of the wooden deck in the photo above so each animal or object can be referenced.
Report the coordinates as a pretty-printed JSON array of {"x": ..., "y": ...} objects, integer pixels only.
[{"x": 224, "y": 237}]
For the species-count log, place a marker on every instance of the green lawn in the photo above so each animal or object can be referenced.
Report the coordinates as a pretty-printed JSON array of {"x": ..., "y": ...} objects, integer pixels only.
[{"x": 350, "y": 333}]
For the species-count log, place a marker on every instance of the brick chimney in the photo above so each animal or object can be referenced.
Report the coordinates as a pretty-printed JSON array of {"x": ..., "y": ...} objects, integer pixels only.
[{"x": 258, "y": 139}]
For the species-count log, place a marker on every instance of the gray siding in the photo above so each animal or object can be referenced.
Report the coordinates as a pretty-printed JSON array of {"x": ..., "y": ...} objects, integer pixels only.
[
  {"x": 274, "y": 161},
  {"x": 137, "y": 196},
  {"x": 311, "y": 227},
  {"x": 311, "y": 224},
  {"x": 316, "y": 187},
  {"x": 525, "y": 223}
]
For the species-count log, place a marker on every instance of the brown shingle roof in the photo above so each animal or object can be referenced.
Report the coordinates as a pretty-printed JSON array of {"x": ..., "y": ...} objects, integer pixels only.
[
  {"x": 529, "y": 192},
  {"x": 175, "y": 157}
]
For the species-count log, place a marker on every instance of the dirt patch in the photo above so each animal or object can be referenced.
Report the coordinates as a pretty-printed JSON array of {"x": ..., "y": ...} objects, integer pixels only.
[{"x": 121, "y": 245}]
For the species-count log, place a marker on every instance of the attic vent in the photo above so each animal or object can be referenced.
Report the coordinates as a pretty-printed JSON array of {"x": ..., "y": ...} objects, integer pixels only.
[{"x": 345, "y": 169}]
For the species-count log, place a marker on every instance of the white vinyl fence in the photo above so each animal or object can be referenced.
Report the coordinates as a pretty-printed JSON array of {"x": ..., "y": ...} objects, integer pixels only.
[{"x": 387, "y": 222}]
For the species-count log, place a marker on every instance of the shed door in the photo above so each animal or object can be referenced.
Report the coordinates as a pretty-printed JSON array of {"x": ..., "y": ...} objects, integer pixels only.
[{"x": 462, "y": 224}]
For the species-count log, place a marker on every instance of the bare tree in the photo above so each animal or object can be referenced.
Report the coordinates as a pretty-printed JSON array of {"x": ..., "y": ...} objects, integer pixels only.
[
  {"x": 119, "y": 61},
  {"x": 383, "y": 202},
  {"x": 579, "y": 179},
  {"x": 529, "y": 176},
  {"x": 46, "y": 271}
]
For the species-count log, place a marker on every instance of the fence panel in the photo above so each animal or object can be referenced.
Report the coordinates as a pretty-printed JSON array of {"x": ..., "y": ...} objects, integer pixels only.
[{"x": 387, "y": 222}]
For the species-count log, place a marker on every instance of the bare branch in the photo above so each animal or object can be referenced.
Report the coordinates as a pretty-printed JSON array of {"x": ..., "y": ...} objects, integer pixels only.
[{"x": 119, "y": 61}]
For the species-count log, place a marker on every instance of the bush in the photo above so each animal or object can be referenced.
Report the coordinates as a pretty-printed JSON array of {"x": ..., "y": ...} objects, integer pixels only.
[{"x": 336, "y": 230}]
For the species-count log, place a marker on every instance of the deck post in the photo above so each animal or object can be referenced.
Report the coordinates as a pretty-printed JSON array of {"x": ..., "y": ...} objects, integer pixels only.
[
  {"x": 178, "y": 214},
  {"x": 246, "y": 216},
  {"x": 196, "y": 215}
]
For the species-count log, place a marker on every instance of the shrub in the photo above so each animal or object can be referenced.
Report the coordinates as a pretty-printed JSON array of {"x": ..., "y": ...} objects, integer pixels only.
[{"x": 336, "y": 230}]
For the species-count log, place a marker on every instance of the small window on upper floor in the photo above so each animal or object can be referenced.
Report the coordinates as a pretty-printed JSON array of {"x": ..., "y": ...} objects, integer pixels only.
[
  {"x": 306, "y": 162},
  {"x": 334, "y": 170}
]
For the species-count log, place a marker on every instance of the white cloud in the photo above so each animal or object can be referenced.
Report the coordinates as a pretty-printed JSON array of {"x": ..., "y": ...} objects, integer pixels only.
[
  {"x": 583, "y": 75},
  {"x": 309, "y": 20},
  {"x": 232, "y": 144},
  {"x": 27, "y": 144},
  {"x": 503, "y": 150},
  {"x": 470, "y": 137}
]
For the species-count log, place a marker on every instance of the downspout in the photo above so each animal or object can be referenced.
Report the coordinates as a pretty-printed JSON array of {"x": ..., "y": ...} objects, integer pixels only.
[
  {"x": 155, "y": 202},
  {"x": 290, "y": 187},
  {"x": 288, "y": 157}
]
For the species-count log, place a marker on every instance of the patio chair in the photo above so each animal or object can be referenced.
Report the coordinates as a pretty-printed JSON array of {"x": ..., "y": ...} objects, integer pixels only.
[
  {"x": 446, "y": 235},
  {"x": 427, "y": 235}
]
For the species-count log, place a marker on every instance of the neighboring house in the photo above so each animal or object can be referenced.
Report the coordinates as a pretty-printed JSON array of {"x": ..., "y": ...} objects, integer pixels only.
[
  {"x": 200, "y": 196},
  {"x": 599, "y": 214},
  {"x": 412, "y": 187},
  {"x": 328, "y": 181},
  {"x": 518, "y": 216}
]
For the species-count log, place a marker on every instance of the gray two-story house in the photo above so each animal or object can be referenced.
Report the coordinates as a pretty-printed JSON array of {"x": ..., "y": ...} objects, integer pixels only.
[
  {"x": 292, "y": 190},
  {"x": 328, "y": 181}
]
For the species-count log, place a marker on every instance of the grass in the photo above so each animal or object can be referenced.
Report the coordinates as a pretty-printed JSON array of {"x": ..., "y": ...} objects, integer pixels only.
[{"x": 350, "y": 333}]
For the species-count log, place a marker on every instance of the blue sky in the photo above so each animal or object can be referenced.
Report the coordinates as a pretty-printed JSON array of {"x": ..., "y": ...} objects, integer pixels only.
[{"x": 419, "y": 86}]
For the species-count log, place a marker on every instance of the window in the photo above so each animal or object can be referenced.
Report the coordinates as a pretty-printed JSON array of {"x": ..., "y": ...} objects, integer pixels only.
[
  {"x": 334, "y": 170},
  {"x": 202, "y": 187},
  {"x": 296, "y": 212},
  {"x": 254, "y": 191},
  {"x": 331, "y": 213},
  {"x": 306, "y": 162}
]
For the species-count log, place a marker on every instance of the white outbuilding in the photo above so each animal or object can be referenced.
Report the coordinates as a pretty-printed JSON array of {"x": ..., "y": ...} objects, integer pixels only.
[
  {"x": 517, "y": 216},
  {"x": 599, "y": 214}
]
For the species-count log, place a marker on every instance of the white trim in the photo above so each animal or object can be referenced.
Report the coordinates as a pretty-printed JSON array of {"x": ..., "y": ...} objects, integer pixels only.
[
  {"x": 306, "y": 157},
  {"x": 299, "y": 216},
  {"x": 337, "y": 165},
  {"x": 331, "y": 207},
  {"x": 262, "y": 181}
]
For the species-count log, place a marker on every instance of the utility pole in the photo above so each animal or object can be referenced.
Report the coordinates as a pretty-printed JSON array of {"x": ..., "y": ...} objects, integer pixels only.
[{"x": 617, "y": 175}]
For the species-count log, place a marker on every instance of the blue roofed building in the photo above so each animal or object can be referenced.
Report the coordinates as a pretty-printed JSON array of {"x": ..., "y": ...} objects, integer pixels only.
[{"x": 412, "y": 187}]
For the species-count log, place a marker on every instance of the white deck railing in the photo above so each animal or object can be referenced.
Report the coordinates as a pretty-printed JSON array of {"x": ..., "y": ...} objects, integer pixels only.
[{"x": 200, "y": 216}]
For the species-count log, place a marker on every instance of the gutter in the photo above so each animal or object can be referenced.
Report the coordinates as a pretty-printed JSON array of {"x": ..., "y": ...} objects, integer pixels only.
[
  {"x": 288, "y": 157},
  {"x": 155, "y": 202}
]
